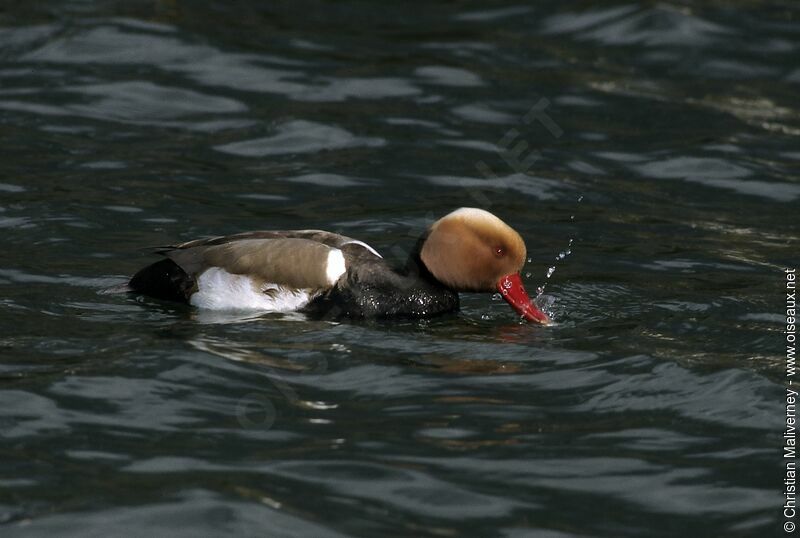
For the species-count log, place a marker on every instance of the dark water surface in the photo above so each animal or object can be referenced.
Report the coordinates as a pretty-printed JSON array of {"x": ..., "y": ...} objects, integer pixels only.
[{"x": 656, "y": 142}]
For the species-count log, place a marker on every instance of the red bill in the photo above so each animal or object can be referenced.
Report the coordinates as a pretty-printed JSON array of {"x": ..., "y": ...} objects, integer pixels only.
[{"x": 512, "y": 290}]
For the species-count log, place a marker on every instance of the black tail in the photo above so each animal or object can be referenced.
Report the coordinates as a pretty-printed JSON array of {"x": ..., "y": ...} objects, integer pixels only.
[{"x": 163, "y": 280}]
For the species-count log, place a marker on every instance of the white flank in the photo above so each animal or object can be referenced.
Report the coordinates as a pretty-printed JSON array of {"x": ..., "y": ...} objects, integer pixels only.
[
  {"x": 218, "y": 289},
  {"x": 363, "y": 244},
  {"x": 335, "y": 266}
]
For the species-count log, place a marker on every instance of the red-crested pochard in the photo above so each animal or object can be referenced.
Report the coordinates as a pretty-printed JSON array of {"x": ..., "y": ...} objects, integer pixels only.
[{"x": 325, "y": 273}]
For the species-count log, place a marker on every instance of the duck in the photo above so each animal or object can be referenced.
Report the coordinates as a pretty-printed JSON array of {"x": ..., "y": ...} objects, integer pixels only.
[{"x": 327, "y": 274}]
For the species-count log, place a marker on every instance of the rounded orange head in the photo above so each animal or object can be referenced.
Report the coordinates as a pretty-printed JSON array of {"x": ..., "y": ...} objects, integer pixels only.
[{"x": 472, "y": 250}]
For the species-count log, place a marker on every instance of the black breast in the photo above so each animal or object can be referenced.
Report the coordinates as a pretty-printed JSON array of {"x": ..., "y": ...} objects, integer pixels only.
[{"x": 371, "y": 289}]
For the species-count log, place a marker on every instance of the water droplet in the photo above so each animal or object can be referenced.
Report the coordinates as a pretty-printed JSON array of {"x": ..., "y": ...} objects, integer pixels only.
[
  {"x": 551, "y": 271},
  {"x": 530, "y": 260},
  {"x": 539, "y": 290},
  {"x": 545, "y": 302},
  {"x": 580, "y": 198},
  {"x": 570, "y": 242},
  {"x": 572, "y": 217},
  {"x": 528, "y": 274},
  {"x": 496, "y": 297}
]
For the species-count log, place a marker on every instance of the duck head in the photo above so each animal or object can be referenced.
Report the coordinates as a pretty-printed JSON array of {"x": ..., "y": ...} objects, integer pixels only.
[{"x": 472, "y": 250}]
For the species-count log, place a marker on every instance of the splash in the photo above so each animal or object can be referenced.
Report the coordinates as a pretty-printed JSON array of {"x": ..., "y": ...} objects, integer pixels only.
[{"x": 547, "y": 302}]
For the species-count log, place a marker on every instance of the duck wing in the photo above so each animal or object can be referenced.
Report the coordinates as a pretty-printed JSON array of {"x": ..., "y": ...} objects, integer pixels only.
[
  {"x": 320, "y": 236},
  {"x": 284, "y": 261}
]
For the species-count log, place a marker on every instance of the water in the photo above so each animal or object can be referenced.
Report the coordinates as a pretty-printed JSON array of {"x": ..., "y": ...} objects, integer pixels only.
[{"x": 656, "y": 142}]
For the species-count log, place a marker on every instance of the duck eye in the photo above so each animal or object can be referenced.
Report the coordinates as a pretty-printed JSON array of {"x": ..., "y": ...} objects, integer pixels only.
[{"x": 499, "y": 252}]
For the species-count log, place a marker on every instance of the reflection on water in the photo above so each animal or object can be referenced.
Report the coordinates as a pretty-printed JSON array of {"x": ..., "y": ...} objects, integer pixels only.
[
  {"x": 647, "y": 409},
  {"x": 299, "y": 137}
]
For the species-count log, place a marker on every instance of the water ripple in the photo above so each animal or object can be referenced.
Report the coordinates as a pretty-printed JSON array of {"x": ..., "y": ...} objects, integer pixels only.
[{"x": 299, "y": 136}]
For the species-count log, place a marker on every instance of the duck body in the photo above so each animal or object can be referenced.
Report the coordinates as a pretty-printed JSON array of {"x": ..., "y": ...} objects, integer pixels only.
[
  {"x": 317, "y": 272},
  {"x": 331, "y": 275}
]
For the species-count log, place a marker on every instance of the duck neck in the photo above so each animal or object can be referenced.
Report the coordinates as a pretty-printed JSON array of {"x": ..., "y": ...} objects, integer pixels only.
[{"x": 416, "y": 268}]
